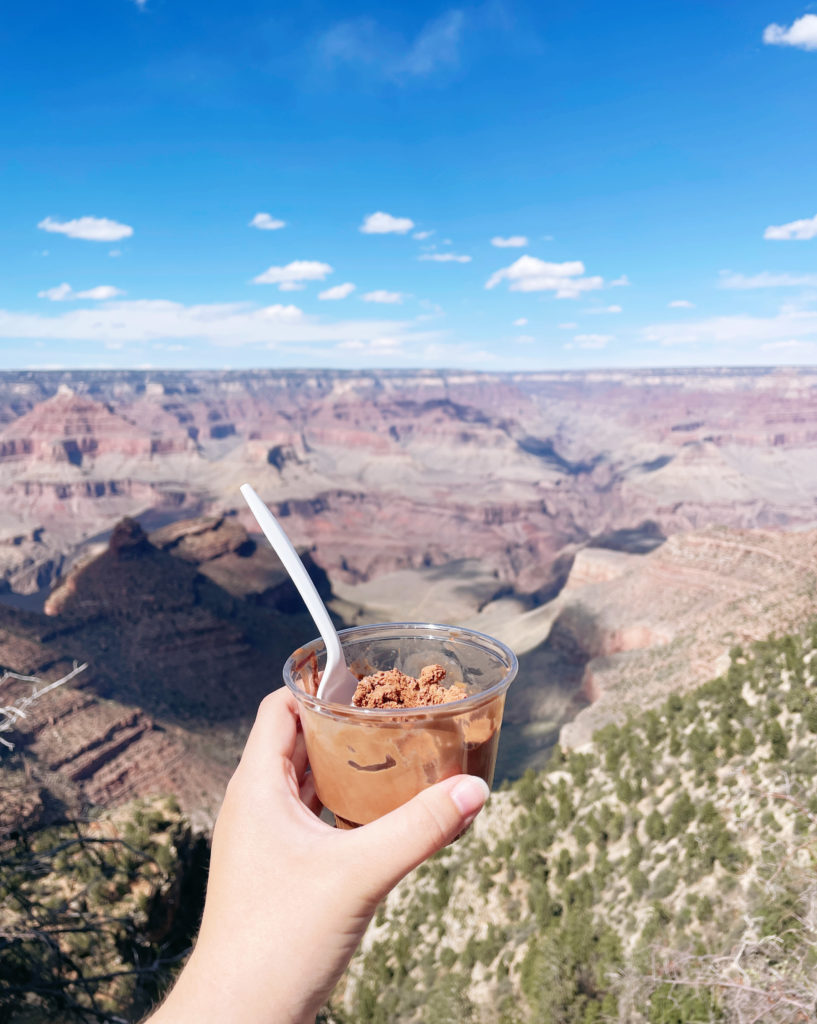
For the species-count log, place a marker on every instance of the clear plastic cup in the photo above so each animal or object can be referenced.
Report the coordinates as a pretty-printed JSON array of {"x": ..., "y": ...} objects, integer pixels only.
[{"x": 365, "y": 762}]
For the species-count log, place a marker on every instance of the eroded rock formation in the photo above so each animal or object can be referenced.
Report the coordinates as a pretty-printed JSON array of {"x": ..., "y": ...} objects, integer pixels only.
[{"x": 176, "y": 666}]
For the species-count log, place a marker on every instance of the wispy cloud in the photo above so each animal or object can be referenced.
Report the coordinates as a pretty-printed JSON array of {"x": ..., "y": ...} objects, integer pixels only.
[
  {"x": 422, "y": 235},
  {"x": 682, "y": 303},
  {"x": 130, "y": 322},
  {"x": 444, "y": 257},
  {"x": 802, "y": 33},
  {"x": 520, "y": 321},
  {"x": 596, "y": 310},
  {"x": 529, "y": 274},
  {"x": 59, "y": 293},
  {"x": 90, "y": 229},
  {"x": 795, "y": 230},
  {"x": 512, "y": 242},
  {"x": 339, "y": 291},
  {"x": 377, "y": 346},
  {"x": 363, "y": 43},
  {"x": 436, "y": 45},
  {"x": 765, "y": 279},
  {"x": 380, "y": 295},
  {"x": 381, "y": 223},
  {"x": 100, "y": 293},
  {"x": 742, "y": 330},
  {"x": 793, "y": 347},
  {"x": 64, "y": 292},
  {"x": 293, "y": 275},
  {"x": 265, "y": 222},
  {"x": 591, "y": 341},
  {"x": 621, "y": 282}
]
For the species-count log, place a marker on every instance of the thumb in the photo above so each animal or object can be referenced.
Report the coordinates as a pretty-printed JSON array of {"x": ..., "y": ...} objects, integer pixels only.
[{"x": 399, "y": 841}]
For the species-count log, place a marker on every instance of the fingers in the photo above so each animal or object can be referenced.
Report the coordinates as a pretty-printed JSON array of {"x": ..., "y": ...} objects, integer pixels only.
[
  {"x": 308, "y": 796},
  {"x": 273, "y": 762},
  {"x": 275, "y": 731},
  {"x": 399, "y": 841},
  {"x": 300, "y": 760}
]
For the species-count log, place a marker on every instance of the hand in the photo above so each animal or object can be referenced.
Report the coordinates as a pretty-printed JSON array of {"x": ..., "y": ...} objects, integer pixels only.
[{"x": 289, "y": 897}]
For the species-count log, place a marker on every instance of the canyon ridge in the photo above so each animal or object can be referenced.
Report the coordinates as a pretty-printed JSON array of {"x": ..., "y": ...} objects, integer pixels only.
[{"x": 621, "y": 530}]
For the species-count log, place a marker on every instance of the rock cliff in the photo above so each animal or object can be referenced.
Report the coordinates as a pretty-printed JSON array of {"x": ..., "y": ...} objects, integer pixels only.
[
  {"x": 176, "y": 664},
  {"x": 378, "y": 472}
]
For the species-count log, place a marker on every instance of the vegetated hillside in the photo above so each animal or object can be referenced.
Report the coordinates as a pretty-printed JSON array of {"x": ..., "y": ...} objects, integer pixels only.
[
  {"x": 95, "y": 913},
  {"x": 663, "y": 873}
]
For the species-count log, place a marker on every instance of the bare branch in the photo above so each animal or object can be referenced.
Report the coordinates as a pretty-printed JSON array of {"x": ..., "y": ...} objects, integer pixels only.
[{"x": 10, "y": 714}]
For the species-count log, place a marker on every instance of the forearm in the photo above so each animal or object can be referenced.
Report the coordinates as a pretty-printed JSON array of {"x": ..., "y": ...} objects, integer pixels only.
[{"x": 218, "y": 994}]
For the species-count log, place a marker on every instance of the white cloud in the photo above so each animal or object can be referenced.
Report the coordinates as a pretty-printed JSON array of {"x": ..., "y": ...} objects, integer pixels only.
[
  {"x": 529, "y": 274},
  {"x": 338, "y": 291},
  {"x": 604, "y": 309},
  {"x": 363, "y": 43},
  {"x": 444, "y": 257},
  {"x": 383, "y": 296},
  {"x": 513, "y": 242},
  {"x": 793, "y": 346},
  {"x": 264, "y": 222},
  {"x": 796, "y": 230},
  {"x": 765, "y": 279},
  {"x": 64, "y": 292},
  {"x": 521, "y": 322},
  {"x": 421, "y": 235},
  {"x": 232, "y": 325},
  {"x": 802, "y": 33},
  {"x": 91, "y": 229},
  {"x": 683, "y": 303},
  {"x": 290, "y": 277},
  {"x": 592, "y": 340},
  {"x": 384, "y": 224},
  {"x": 621, "y": 282},
  {"x": 100, "y": 293},
  {"x": 59, "y": 293},
  {"x": 377, "y": 346},
  {"x": 743, "y": 330},
  {"x": 436, "y": 44},
  {"x": 114, "y": 253}
]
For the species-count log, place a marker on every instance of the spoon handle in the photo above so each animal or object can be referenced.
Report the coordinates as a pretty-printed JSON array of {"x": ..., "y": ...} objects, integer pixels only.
[{"x": 291, "y": 561}]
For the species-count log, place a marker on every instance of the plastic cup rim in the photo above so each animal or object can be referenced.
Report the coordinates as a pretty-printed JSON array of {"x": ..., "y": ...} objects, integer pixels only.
[{"x": 474, "y": 700}]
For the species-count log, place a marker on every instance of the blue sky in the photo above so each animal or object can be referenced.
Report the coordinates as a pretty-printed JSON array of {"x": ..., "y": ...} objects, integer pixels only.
[{"x": 492, "y": 186}]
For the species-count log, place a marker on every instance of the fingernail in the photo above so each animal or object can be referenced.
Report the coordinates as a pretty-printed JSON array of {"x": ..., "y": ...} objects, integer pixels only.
[{"x": 470, "y": 794}]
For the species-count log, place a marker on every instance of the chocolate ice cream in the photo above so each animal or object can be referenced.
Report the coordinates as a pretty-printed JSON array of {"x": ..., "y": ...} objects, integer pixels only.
[{"x": 394, "y": 689}]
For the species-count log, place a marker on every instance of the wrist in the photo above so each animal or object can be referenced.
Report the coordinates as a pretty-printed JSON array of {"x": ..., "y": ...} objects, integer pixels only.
[{"x": 208, "y": 994}]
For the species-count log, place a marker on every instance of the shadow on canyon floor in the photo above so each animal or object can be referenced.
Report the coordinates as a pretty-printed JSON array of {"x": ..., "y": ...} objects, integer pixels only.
[{"x": 546, "y": 694}]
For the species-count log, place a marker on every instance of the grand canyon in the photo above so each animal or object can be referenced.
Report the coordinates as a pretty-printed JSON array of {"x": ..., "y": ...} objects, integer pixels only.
[
  {"x": 621, "y": 530},
  {"x": 631, "y": 535}
]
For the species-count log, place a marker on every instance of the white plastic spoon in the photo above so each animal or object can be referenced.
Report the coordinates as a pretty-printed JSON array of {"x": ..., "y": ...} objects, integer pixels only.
[{"x": 337, "y": 682}]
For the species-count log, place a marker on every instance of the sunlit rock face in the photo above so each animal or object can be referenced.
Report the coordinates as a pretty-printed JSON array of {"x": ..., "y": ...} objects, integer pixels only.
[
  {"x": 182, "y": 635},
  {"x": 378, "y": 472},
  {"x": 473, "y": 498}
]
